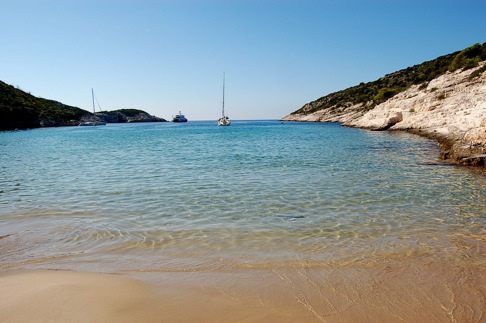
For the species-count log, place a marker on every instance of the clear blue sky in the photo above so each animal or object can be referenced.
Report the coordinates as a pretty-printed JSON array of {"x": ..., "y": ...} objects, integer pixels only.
[{"x": 162, "y": 56}]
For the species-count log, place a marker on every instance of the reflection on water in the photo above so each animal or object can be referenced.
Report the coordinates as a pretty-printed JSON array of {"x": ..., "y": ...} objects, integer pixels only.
[{"x": 254, "y": 195}]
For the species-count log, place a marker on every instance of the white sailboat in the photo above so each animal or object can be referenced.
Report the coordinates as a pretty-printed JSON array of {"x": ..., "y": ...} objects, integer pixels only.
[
  {"x": 224, "y": 120},
  {"x": 94, "y": 122}
]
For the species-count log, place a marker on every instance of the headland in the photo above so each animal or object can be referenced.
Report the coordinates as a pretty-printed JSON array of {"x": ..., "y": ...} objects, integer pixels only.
[{"x": 443, "y": 99}]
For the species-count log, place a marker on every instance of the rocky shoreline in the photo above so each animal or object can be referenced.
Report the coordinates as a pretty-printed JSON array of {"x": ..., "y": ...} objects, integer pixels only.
[
  {"x": 122, "y": 116},
  {"x": 450, "y": 109}
]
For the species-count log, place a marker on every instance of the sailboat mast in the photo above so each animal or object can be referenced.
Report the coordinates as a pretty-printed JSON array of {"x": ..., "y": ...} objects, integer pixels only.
[
  {"x": 92, "y": 98},
  {"x": 223, "y": 95}
]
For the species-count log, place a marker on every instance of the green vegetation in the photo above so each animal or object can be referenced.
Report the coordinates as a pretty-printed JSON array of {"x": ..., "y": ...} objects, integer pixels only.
[
  {"x": 386, "y": 93},
  {"x": 373, "y": 93},
  {"x": 477, "y": 73},
  {"x": 468, "y": 58},
  {"x": 128, "y": 112},
  {"x": 20, "y": 110},
  {"x": 127, "y": 115}
]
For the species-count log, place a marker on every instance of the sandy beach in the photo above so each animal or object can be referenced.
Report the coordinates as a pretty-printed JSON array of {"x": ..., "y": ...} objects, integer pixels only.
[
  {"x": 302, "y": 233},
  {"x": 242, "y": 161},
  {"x": 61, "y": 296},
  {"x": 415, "y": 290}
]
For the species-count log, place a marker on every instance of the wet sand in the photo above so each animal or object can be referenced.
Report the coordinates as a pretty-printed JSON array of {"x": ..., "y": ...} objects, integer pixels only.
[{"x": 418, "y": 290}]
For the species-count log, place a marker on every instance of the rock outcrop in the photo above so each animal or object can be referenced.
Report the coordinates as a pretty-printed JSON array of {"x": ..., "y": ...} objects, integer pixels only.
[{"x": 451, "y": 108}]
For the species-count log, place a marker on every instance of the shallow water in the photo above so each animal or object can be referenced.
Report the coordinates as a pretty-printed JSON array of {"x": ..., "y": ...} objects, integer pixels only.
[{"x": 197, "y": 197}]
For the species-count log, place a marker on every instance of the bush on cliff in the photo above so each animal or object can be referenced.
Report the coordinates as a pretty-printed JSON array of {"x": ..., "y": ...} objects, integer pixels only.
[
  {"x": 373, "y": 93},
  {"x": 386, "y": 93},
  {"x": 468, "y": 58}
]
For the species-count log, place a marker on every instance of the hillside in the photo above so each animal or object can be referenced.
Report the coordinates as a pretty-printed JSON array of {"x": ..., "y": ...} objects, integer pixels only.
[
  {"x": 444, "y": 99},
  {"x": 368, "y": 95},
  {"x": 127, "y": 115},
  {"x": 21, "y": 110}
]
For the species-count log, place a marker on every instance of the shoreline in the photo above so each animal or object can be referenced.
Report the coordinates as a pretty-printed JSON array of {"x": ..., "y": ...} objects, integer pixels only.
[
  {"x": 392, "y": 248},
  {"x": 414, "y": 289},
  {"x": 449, "y": 109},
  {"x": 451, "y": 150}
]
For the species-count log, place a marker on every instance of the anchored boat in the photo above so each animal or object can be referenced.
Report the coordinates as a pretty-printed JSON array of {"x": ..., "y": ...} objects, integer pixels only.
[
  {"x": 179, "y": 118},
  {"x": 95, "y": 122},
  {"x": 224, "y": 120}
]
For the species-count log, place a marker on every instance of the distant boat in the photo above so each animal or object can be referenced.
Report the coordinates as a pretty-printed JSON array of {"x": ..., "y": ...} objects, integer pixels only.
[
  {"x": 224, "y": 120},
  {"x": 93, "y": 123},
  {"x": 179, "y": 118}
]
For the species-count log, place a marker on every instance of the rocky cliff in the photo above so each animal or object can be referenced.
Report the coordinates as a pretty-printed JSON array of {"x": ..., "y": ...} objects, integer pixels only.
[{"x": 451, "y": 108}]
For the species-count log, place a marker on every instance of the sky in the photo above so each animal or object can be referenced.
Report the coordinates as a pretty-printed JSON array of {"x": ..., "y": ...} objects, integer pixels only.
[{"x": 166, "y": 56}]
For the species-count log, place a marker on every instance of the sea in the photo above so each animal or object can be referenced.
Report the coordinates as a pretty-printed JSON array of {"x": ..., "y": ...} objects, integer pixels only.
[{"x": 189, "y": 197}]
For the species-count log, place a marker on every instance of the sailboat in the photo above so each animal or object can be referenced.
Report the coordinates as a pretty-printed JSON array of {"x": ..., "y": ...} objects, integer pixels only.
[
  {"x": 95, "y": 122},
  {"x": 224, "y": 120}
]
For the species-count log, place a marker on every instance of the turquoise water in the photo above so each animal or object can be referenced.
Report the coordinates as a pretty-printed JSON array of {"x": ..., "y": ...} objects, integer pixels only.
[{"x": 195, "y": 196}]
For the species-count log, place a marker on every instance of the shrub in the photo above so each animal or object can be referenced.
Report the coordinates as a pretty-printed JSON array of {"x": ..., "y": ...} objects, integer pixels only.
[
  {"x": 386, "y": 93},
  {"x": 477, "y": 73},
  {"x": 467, "y": 58},
  {"x": 375, "y": 92},
  {"x": 423, "y": 86}
]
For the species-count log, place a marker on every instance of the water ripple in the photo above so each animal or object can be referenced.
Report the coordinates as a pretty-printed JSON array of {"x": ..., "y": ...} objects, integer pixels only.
[{"x": 251, "y": 195}]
